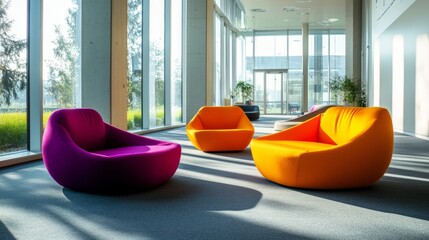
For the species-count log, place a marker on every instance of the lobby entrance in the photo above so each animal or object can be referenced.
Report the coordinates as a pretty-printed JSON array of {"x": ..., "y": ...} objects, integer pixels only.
[{"x": 274, "y": 93}]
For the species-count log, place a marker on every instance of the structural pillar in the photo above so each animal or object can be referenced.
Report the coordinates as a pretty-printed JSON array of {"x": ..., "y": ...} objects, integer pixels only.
[
  {"x": 354, "y": 38},
  {"x": 304, "y": 102}
]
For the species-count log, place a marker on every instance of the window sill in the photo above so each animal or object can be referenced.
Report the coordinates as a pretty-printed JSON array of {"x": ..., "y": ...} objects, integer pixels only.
[{"x": 18, "y": 157}]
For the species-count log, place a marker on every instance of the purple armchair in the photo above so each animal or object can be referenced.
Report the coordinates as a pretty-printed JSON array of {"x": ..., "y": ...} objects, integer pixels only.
[{"x": 83, "y": 153}]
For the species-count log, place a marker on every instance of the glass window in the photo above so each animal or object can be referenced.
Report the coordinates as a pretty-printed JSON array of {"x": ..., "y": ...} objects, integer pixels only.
[
  {"x": 176, "y": 61},
  {"x": 240, "y": 63},
  {"x": 13, "y": 76},
  {"x": 326, "y": 60},
  {"x": 218, "y": 61},
  {"x": 61, "y": 67},
  {"x": 155, "y": 94},
  {"x": 229, "y": 62},
  {"x": 134, "y": 44},
  {"x": 270, "y": 51},
  {"x": 337, "y": 54},
  {"x": 249, "y": 63},
  {"x": 294, "y": 87},
  {"x": 318, "y": 65},
  {"x": 156, "y": 64}
]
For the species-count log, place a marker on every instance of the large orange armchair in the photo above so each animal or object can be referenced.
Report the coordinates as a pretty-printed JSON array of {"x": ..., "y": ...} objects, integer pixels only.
[
  {"x": 220, "y": 129},
  {"x": 345, "y": 147}
]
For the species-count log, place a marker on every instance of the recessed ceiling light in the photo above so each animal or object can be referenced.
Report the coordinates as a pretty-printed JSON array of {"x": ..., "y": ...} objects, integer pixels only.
[
  {"x": 332, "y": 19},
  {"x": 290, "y": 9},
  {"x": 258, "y": 10}
]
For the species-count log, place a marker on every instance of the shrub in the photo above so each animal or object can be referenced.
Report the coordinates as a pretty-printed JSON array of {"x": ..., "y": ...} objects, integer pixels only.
[
  {"x": 13, "y": 129},
  {"x": 347, "y": 91}
]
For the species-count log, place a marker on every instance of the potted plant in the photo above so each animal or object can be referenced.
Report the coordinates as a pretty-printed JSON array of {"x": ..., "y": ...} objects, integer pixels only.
[
  {"x": 243, "y": 91},
  {"x": 347, "y": 91}
]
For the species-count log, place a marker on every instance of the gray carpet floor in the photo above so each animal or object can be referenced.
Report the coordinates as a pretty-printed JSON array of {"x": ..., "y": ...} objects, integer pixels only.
[{"x": 221, "y": 196}]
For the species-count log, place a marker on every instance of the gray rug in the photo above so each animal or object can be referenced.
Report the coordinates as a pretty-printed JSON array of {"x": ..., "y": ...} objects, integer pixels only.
[{"x": 221, "y": 196}]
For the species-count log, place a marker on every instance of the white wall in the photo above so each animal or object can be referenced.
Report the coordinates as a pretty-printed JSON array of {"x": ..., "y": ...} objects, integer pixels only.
[{"x": 399, "y": 67}]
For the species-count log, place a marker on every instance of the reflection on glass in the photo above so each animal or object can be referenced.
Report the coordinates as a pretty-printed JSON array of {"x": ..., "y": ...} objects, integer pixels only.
[
  {"x": 61, "y": 79},
  {"x": 13, "y": 76},
  {"x": 134, "y": 56}
]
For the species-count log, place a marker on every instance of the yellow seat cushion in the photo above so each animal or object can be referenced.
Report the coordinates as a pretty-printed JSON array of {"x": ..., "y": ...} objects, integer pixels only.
[
  {"x": 344, "y": 147},
  {"x": 218, "y": 129}
]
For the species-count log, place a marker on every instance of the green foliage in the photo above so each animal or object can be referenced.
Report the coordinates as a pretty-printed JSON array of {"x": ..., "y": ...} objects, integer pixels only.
[
  {"x": 134, "y": 117},
  {"x": 13, "y": 131},
  {"x": 243, "y": 90},
  {"x": 63, "y": 69},
  {"x": 13, "y": 72},
  {"x": 347, "y": 91},
  {"x": 134, "y": 47}
]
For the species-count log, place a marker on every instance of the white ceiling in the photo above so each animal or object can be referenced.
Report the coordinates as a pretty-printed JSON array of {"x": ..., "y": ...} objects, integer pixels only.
[{"x": 291, "y": 14}]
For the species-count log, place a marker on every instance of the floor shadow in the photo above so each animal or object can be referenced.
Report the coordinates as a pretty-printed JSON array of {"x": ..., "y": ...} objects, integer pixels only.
[
  {"x": 184, "y": 208},
  {"x": 227, "y": 174},
  {"x": 245, "y": 155},
  {"x": 391, "y": 195},
  {"x": 5, "y": 234}
]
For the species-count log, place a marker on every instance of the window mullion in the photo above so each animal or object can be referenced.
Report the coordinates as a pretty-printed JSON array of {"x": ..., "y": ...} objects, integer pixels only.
[{"x": 34, "y": 76}]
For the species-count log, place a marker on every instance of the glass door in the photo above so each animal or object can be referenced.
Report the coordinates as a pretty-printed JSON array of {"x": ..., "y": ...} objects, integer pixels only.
[
  {"x": 259, "y": 88},
  {"x": 272, "y": 91}
]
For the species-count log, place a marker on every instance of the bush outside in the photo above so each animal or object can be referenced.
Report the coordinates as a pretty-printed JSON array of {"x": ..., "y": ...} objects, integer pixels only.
[{"x": 13, "y": 130}]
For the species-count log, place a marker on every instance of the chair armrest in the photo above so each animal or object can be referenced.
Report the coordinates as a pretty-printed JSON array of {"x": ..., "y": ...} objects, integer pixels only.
[
  {"x": 244, "y": 123},
  {"x": 195, "y": 123}
]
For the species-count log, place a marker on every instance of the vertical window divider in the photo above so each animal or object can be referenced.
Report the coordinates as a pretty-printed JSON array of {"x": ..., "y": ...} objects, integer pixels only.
[
  {"x": 184, "y": 64},
  {"x": 167, "y": 63},
  {"x": 145, "y": 65},
  {"x": 34, "y": 76}
]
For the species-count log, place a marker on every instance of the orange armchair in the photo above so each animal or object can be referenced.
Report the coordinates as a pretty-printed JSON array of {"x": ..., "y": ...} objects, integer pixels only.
[
  {"x": 220, "y": 129},
  {"x": 345, "y": 147}
]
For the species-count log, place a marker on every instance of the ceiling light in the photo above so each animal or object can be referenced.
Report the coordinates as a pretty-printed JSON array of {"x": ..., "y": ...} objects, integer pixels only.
[
  {"x": 258, "y": 10},
  {"x": 290, "y": 9},
  {"x": 332, "y": 20}
]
